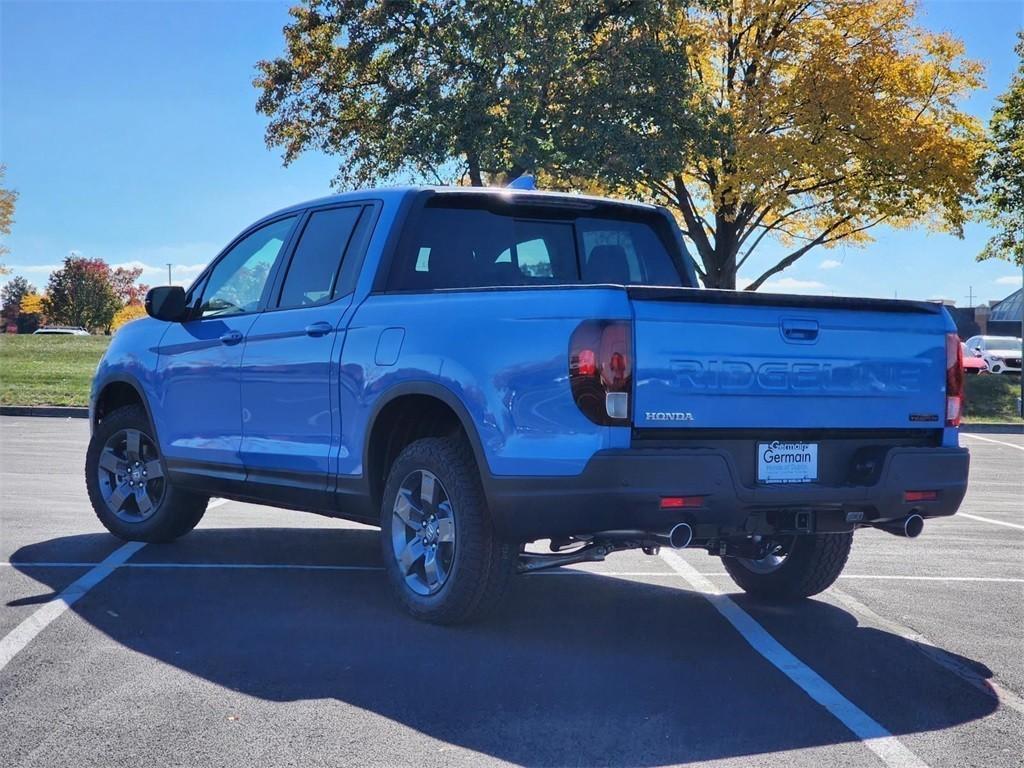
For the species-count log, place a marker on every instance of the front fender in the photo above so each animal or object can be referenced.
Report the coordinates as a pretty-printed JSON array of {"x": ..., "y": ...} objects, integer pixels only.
[{"x": 130, "y": 359}]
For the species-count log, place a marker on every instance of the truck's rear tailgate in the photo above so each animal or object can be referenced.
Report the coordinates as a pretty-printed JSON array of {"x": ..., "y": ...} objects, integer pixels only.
[{"x": 729, "y": 360}]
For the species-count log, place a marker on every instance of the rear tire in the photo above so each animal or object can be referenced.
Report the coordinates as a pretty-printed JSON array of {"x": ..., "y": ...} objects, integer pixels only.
[
  {"x": 445, "y": 562},
  {"x": 128, "y": 485},
  {"x": 812, "y": 565}
]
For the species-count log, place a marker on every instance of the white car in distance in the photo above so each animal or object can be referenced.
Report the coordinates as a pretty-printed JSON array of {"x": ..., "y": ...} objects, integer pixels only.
[{"x": 1000, "y": 353}]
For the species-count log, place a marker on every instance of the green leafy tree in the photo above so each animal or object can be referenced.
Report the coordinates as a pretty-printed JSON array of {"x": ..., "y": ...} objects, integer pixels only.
[
  {"x": 80, "y": 293},
  {"x": 16, "y": 289},
  {"x": 478, "y": 92},
  {"x": 1003, "y": 171},
  {"x": 7, "y": 199}
]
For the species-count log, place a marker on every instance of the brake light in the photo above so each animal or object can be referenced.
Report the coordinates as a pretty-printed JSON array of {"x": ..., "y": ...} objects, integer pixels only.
[
  {"x": 601, "y": 370},
  {"x": 954, "y": 380},
  {"x": 910, "y": 496}
]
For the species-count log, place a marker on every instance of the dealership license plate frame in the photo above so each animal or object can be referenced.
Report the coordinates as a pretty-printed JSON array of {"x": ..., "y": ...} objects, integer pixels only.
[{"x": 783, "y": 471}]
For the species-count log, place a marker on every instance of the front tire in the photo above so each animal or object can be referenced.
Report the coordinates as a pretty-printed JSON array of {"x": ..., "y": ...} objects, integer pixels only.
[
  {"x": 810, "y": 565},
  {"x": 445, "y": 562},
  {"x": 128, "y": 485}
]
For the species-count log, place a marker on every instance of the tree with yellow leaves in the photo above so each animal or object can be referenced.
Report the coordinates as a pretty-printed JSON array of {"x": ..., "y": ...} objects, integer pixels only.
[
  {"x": 827, "y": 119},
  {"x": 31, "y": 314},
  {"x": 7, "y": 200},
  {"x": 126, "y": 314}
]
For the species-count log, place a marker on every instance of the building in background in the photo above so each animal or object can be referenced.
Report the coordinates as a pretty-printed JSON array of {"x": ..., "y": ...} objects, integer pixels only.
[
  {"x": 1004, "y": 317},
  {"x": 998, "y": 318}
]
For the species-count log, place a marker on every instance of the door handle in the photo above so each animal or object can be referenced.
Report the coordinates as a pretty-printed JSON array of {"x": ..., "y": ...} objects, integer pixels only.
[
  {"x": 319, "y": 329},
  {"x": 799, "y": 331},
  {"x": 231, "y": 338}
]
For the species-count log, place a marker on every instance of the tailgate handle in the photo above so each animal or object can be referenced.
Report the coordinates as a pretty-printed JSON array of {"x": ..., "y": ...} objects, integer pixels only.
[{"x": 799, "y": 331}]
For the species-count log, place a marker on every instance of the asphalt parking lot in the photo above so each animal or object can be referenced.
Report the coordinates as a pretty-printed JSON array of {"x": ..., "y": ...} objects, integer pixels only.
[{"x": 268, "y": 637}]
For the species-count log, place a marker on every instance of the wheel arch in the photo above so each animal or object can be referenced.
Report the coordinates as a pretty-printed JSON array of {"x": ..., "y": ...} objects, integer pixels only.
[
  {"x": 440, "y": 409},
  {"x": 116, "y": 392}
]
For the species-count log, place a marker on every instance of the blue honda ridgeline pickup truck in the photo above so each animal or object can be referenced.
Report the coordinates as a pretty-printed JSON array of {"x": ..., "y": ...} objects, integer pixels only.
[{"x": 473, "y": 370}]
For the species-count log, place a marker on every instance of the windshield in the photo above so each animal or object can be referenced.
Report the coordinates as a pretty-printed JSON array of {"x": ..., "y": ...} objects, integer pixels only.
[{"x": 1001, "y": 341}]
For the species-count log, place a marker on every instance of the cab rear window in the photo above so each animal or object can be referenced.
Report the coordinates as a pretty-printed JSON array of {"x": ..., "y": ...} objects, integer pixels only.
[{"x": 470, "y": 243}]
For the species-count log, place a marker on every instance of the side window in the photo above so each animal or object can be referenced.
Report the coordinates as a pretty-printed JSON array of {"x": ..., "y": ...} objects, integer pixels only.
[
  {"x": 316, "y": 264},
  {"x": 236, "y": 283}
]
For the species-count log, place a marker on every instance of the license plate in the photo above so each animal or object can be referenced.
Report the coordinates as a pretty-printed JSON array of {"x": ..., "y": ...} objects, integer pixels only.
[{"x": 779, "y": 462}]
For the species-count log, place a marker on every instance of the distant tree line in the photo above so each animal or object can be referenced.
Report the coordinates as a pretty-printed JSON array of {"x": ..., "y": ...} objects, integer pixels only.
[{"x": 85, "y": 293}]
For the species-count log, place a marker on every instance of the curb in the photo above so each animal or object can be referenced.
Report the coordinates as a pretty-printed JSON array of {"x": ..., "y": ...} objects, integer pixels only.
[
  {"x": 70, "y": 412},
  {"x": 1000, "y": 428}
]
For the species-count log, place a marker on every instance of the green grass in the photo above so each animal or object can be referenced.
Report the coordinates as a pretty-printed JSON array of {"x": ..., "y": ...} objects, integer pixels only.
[
  {"x": 48, "y": 370},
  {"x": 992, "y": 398}
]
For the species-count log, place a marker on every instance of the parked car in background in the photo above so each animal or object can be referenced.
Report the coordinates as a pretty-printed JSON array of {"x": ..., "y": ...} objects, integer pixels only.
[
  {"x": 60, "y": 330},
  {"x": 972, "y": 365},
  {"x": 1000, "y": 353}
]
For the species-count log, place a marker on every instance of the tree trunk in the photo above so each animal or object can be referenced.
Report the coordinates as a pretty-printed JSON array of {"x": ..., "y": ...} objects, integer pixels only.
[
  {"x": 475, "y": 178},
  {"x": 719, "y": 258}
]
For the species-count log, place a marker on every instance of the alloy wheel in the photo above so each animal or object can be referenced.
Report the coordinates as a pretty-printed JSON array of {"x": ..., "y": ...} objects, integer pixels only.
[
  {"x": 423, "y": 532},
  {"x": 131, "y": 478}
]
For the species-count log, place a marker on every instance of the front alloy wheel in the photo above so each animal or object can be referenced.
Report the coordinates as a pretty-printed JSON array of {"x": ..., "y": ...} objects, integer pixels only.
[
  {"x": 423, "y": 532},
  {"x": 127, "y": 485},
  {"x": 131, "y": 479}
]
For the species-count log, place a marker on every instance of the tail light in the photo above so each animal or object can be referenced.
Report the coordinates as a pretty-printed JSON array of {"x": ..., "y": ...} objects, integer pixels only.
[
  {"x": 954, "y": 380},
  {"x": 601, "y": 370}
]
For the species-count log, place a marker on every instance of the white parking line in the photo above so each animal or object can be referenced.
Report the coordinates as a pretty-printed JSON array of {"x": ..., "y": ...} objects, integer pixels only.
[
  {"x": 886, "y": 747},
  {"x": 990, "y": 520},
  {"x": 22, "y": 634},
  {"x": 972, "y": 436},
  {"x": 932, "y": 651}
]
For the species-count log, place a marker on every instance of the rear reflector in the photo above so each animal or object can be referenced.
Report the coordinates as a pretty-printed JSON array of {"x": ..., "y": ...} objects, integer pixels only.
[
  {"x": 910, "y": 496},
  {"x": 681, "y": 502},
  {"x": 954, "y": 380}
]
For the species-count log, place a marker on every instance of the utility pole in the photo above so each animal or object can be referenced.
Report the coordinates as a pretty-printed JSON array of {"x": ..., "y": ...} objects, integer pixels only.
[
  {"x": 169, "y": 281},
  {"x": 970, "y": 296}
]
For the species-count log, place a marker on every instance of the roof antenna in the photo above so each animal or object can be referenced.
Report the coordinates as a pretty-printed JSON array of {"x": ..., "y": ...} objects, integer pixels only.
[{"x": 525, "y": 181}]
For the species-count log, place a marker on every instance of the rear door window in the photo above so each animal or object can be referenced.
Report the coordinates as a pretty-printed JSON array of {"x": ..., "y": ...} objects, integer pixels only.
[{"x": 315, "y": 267}]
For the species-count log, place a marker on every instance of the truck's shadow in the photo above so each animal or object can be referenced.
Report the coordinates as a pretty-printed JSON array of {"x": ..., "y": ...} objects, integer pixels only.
[{"x": 573, "y": 669}]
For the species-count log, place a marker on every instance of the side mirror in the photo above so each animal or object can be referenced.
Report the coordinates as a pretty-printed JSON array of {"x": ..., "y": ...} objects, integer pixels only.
[{"x": 166, "y": 302}]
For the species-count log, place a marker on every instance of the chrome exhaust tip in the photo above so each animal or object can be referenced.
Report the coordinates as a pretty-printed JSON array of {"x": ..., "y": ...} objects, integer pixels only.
[
  {"x": 910, "y": 526},
  {"x": 680, "y": 536},
  {"x": 913, "y": 526}
]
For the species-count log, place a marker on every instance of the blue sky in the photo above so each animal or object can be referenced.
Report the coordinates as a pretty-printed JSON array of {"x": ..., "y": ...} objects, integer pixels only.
[{"x": 130, "y": 132}]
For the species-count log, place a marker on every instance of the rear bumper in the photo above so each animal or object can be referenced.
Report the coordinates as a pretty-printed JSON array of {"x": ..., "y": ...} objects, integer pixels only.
[{"x": 621, "y": 489}]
